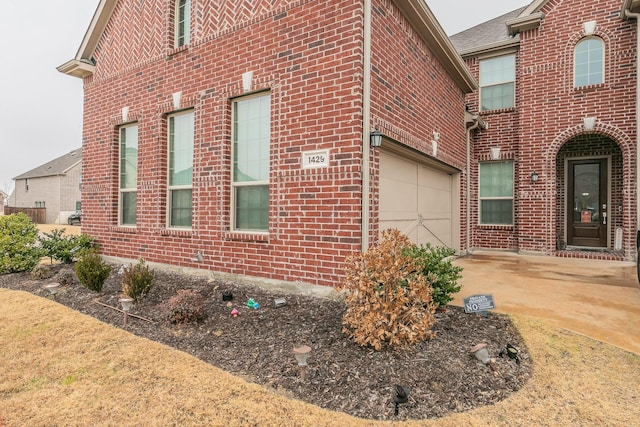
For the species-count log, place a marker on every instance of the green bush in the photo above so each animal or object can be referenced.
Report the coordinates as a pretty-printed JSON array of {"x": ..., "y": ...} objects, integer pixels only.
[
  {"x": 436, "y": 264},
  {"x": 64, "y": 248},
  {"x": 91, "y": 270},
  {"x": 185, "y": 307},
  {"x": 389, "y": 301},
  {"x": 41, "y": 271},
  {"x": 18, "y": 249},
  {"x": 137, "y": 280}
]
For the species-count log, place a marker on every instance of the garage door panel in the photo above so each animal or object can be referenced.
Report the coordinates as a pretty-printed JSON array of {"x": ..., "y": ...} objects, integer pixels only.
[
  {"x": 395, "y": 199},
  {"x": 436, "y": 232},
  {"x": 417, "y": 200},
  {"x": 395, "y": 168}
]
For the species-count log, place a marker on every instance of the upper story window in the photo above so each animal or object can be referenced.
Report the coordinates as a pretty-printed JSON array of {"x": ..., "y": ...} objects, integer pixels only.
[
  {"x": 589, "y": 62},
  {"x": 496, "y": 193},
  {"x": 250, "y": 172},
  {"x": 128, "y": 175},
  {"x": 180, "y": 169},
  {"x": 497, "y": 83},
  {"x": 183, "y": 22}
]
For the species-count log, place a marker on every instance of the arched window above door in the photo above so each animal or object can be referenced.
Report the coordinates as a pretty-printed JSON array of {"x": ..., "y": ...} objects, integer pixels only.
[{"x": 588, "y": 62}]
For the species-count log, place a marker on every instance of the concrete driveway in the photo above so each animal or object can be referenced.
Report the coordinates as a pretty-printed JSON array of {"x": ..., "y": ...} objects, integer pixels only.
[{"x": 600, "y": 299}]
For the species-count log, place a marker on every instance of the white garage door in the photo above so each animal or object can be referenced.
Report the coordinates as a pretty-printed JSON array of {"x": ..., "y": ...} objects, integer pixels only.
[{"x": 419, "y": 200}]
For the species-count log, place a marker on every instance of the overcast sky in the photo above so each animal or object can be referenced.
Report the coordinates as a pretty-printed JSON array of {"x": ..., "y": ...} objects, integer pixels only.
[{"x": 41, "y": 109}]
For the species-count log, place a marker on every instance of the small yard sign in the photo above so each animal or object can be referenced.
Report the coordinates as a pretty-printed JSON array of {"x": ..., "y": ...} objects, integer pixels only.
[{"x": 478, "y": 303}]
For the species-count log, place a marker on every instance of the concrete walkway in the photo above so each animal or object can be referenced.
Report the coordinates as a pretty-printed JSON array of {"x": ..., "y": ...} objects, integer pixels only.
[{"x": 600, "y": 299}]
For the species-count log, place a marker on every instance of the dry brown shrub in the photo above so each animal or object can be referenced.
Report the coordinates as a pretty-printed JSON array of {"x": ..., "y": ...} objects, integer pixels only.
[{"x": 389, "y": 302}]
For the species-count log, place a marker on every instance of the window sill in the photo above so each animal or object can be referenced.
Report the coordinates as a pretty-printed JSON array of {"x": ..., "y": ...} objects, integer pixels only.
[
  {"x": 175, "y": 50},
  {"x": 246, "y": 236},
  {"x": 176, "y": 232},
  {"x": 496, "y": 226},
  {"x": 124, "y": 229},
  {"x": 498, "y": 111},
  {"x": 588, "y": 88}
]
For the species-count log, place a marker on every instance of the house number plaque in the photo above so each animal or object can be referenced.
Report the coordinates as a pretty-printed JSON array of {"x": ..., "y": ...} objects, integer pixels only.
[{"x": 315, "y": 159}]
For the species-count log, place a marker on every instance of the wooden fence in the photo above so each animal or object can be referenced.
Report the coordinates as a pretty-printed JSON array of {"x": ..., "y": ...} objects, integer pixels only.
[{"x": 37, "y": 215}]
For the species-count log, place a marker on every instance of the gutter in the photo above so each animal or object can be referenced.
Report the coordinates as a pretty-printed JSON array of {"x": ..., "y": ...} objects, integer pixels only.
[
  {"x": 637, "y": 18},
  {"x": 366, "y": 128},
  {"x": 477, "y": 123}
]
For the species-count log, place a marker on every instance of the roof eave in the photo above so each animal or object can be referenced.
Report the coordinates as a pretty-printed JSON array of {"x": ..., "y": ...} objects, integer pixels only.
[
  {"x": 423, "y": 20},
  {"x": 524, "y": 23},
  {"x": 82, "y": 65},
  {"x": 631, "y": 6},
  {"x": 77, "y": 68}
]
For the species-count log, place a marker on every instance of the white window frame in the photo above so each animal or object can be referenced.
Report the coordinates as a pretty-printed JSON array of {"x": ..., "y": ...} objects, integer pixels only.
[
  {"x": 235, "y": 185},
  {"x": 497, "y": 83},
  {"x": 177, "y": 187},
  {"x": 490, "y": 198},
  {"x": 121, "y": 189},
  {"x": 182, "y": 23},
  {"x": 588, "y": 64}
]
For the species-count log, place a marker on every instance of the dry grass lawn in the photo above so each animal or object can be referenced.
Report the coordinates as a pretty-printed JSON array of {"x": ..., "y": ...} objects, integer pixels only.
[{"x": 63, "y": 368}]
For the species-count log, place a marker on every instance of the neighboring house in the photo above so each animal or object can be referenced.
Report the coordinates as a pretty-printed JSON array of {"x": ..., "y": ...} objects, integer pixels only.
[
  {"x": 54, "y": 186},
  {"x": 555, "y": 170},
  {"x": 235, "y": 135},
  {"x": 4, "y": 201}
]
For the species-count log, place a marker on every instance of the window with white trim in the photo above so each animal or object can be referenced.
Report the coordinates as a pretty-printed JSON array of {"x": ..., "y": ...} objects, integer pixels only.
[
  {"x": 128, "y": 185},
  {"x": 180, "y": 169},
  {"x": 496, "y": 193},
  {"x": 183, "y": 22},
  {"x": 589, "y": 62},
  {"x": 250, "y": 169},
  {"x": 497, "y": 82}
]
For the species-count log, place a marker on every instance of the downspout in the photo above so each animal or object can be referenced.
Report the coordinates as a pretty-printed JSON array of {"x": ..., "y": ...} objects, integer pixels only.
[
  {"x": 637, "y": 18},
  {"x": 476, "y": 124},
  {"x": 366, "y": 127}
]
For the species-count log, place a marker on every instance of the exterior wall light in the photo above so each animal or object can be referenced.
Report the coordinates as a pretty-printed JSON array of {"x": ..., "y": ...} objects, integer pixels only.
[
  {"x": 534, "y": 177},
  {"x": 376, "y": 138}
]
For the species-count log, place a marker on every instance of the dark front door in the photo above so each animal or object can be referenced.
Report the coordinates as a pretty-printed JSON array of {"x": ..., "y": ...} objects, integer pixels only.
[{"x": 587, "y": 208}]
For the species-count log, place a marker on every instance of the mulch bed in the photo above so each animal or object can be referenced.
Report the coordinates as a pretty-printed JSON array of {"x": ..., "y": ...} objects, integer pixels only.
[{"x": 441, "y": 375}]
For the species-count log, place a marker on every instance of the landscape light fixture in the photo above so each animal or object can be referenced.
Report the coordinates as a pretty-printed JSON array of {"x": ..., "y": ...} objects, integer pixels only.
[
  {"x": 534, "y": 177},
  {"x": 511, "y": 352},
  {"x": 481, "y": 353},
  {"x": 301, "y": 353},
  {"x": 401, "y": 395},
  {"x": 198, "y": 257},
  {"x": 53, "y": 289},
  {"x": 126, "y": 304},
  {"x": 376, "y": 138}
]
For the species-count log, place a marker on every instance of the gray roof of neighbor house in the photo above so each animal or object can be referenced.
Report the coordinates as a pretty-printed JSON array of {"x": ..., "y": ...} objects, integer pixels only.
[
  {"x": 490, "y": 33},
  {"x": 57, "y": 166}
]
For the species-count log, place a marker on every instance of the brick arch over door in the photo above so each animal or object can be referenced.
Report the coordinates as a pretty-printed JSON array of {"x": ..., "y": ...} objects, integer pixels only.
[{"x": 626, "y": 145}]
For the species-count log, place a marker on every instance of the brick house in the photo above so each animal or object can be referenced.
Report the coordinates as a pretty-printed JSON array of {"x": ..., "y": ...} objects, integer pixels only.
[
  {"x": 234, "y": 136},
  {"x": 555, "y": 171},
  {"x": 53, "y": 186}
]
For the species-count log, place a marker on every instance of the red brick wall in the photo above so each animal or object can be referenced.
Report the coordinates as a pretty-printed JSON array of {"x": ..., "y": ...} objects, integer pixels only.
[
  {"x": 413, "y": 95},
  {"x": 309, "y": 56},
  {"x": 549, "y": 113}
]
